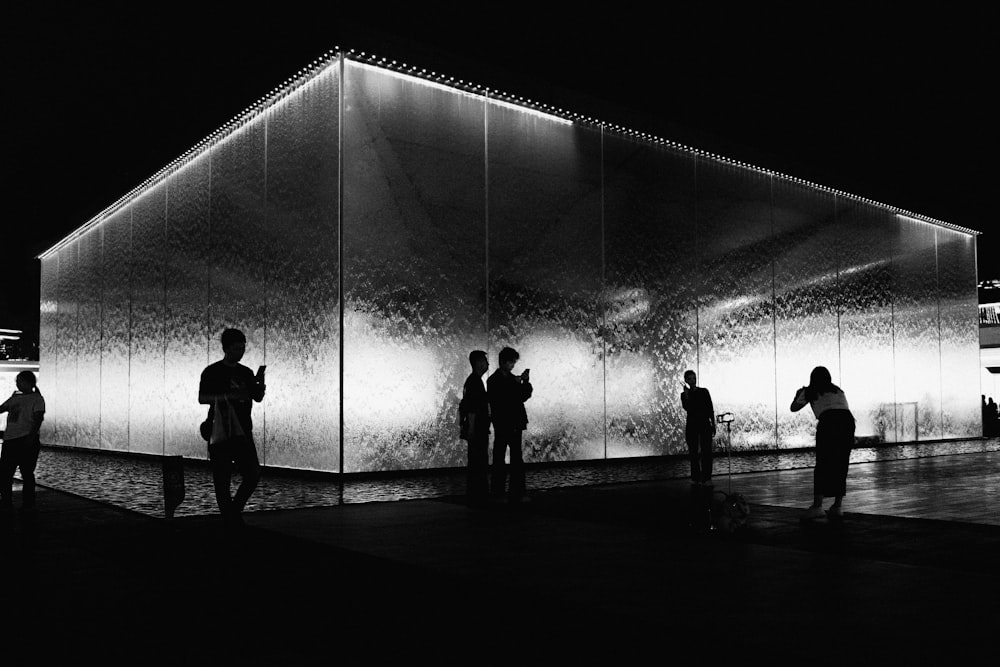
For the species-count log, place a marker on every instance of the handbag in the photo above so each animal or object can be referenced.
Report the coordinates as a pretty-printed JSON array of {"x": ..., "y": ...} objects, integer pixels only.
[
  {"x": 225, "y": 425},
  {"x": 205, "y": 428}
]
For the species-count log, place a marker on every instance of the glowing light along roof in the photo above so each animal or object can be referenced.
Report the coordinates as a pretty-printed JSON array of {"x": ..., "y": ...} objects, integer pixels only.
[{"x": 333, "y": 57}]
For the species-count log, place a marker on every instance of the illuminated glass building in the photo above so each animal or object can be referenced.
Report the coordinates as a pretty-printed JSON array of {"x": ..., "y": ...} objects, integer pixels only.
[{"x": 367, "y": 227}]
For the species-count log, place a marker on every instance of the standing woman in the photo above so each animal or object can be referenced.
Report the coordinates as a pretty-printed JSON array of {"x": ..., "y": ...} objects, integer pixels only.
[
  {"x": 25, "y": 411},
  {"x": 834, "y": 439}
]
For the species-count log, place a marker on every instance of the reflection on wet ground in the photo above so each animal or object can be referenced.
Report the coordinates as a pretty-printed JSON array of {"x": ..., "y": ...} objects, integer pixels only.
[{"x": 136, "y": 483}]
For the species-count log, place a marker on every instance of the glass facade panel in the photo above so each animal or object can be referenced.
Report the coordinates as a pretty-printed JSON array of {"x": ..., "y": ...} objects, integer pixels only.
[
  {"x": 916, "y": 331},
  {"x": 48, "y": 294},
  {"x": 545, "y": 275},
  {"x": 116, "y": 262},
  {"x": 448, "y": 222},
  {"x": 239, "y": 251},
  {"x": 866, "y": 349},
  {"x": 414, "y": 273},
  {"x": 736, "y": 354},
  {"x": 960, "y": 391},
  {"x": 806, "y": 287},
  {"x": 303, "y": 283},
  {"x": 187, "y": 347},
  {"x": 67, "y": 326},
  {"x": 652, "y": 279},
  {"x": 88, "y": 404},
  {"x": 146, "y": 332}
]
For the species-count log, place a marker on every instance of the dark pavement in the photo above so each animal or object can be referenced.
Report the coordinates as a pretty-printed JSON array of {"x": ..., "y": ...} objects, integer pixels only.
[{"x": 617, "y": 573}]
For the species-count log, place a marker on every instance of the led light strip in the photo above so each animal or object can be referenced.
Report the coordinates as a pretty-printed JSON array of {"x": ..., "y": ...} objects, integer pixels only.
[{"x": 320, "y": 65}]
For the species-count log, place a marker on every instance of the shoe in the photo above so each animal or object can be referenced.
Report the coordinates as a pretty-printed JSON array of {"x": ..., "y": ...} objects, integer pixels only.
[
  {"x": 835, "y": 512},
  {"x": 814, "y": 513}
]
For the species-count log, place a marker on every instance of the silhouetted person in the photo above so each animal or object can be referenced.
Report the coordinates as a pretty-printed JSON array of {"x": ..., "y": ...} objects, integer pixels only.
[
  {"x": 834, "y": 440},
  {"x": 475, "y": 410},
  {"x": 229, "y": 387},
  {"x": 25, "y": 412},
  {"x": 507, "y": 393},
  {"x": 992, "y": 418},
  {"x": 987, "y": 425},
  {"x": 700, "y": 428}
]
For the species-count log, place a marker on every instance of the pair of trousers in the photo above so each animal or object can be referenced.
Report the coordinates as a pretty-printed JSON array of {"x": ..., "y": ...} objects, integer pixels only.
[
  {"x": 239, "y": 454},
  {"x": 699, "y": 442},
  {"x": 477, "y": 483},
  {"x": 504, "y": 439},
  {"x": 19, "y": 453},
  {"x": 834, "y": 440}
]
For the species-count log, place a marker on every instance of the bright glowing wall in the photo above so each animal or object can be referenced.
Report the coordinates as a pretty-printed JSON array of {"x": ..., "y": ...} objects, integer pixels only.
[{"x": 368, "y": 231}]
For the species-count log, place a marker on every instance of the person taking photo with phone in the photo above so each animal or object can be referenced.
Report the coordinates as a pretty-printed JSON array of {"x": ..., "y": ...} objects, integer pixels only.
[{"x": 507, "y": 393}]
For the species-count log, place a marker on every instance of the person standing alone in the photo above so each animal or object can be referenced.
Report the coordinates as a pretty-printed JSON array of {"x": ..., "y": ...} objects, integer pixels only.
[
  {"x": 229, "y": 387},
  {"x": 834, "y": 440},
  {"x": 700, "y": 428},
  {"x": 25, "y": 412}
]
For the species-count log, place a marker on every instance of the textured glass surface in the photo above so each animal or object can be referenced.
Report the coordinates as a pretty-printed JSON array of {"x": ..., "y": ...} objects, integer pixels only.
[
  {"x": 66, "y": 380},
  {"x": 916, "y": 327},
  {"x": 652, "y": 271},
  {"x": 960, "y": 391},
  {"x": 47, "y": 337},
  {"x": 414, "y": 271},
  {"x": 116, "y": 261},
  {"x": 736, "y": 310},
  {"x": 303, "y": 285},
  {"x": 545, "y": 275},
  {"x": 806, "y": 286},
  {"x": 88, "y": 367},
  {"x": 146, "y": 333},
  {"x": 187, "y": 344},
  {"x": 611, "y": 264},
  {"x": 865, "y": 236},
  {"x": 239, "y": 251}
]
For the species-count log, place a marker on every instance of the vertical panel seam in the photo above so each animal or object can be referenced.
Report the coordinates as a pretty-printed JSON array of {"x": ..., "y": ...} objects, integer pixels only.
[
  {"x": 163, "y": 319},
  {"x": 131, "y": 307},
  {"x": 937, "y": 291},
  {"x": 836, "y": 223},
  {"x": 604, "y": 303},
  {"x": 267, "y": 290},
  {"x": 342, "y": 86},
  {"x": 486, "y": 206},
  {"x": 774, "y": 313},
  {"x": 892, "y": 332}
]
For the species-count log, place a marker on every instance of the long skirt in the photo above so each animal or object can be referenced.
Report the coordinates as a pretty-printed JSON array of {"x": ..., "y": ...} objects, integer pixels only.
[{"x": 834, "y": 439}]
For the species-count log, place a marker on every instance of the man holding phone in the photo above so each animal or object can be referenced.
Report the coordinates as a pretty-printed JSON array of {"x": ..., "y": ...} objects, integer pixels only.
[
  {"x": 229, "y": 387},
  {"x": 506, "y": 394},
  {"x": 700, "y": 428}
]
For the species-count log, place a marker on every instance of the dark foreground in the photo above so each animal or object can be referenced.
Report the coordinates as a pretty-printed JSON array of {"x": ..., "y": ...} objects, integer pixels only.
[{"x": 616, "y": 573}]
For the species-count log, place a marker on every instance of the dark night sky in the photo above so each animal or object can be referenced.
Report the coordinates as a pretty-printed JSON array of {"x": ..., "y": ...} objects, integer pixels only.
[{"x": 899, "y": 111}]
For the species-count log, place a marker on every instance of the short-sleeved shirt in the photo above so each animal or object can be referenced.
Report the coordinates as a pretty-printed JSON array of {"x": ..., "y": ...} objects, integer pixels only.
[
  {"x": 830, "y": 400},
  {"x": 220, "y": 378},
  {"x": 474, "y": 402},
  {"x": 21, "y": 410}
]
